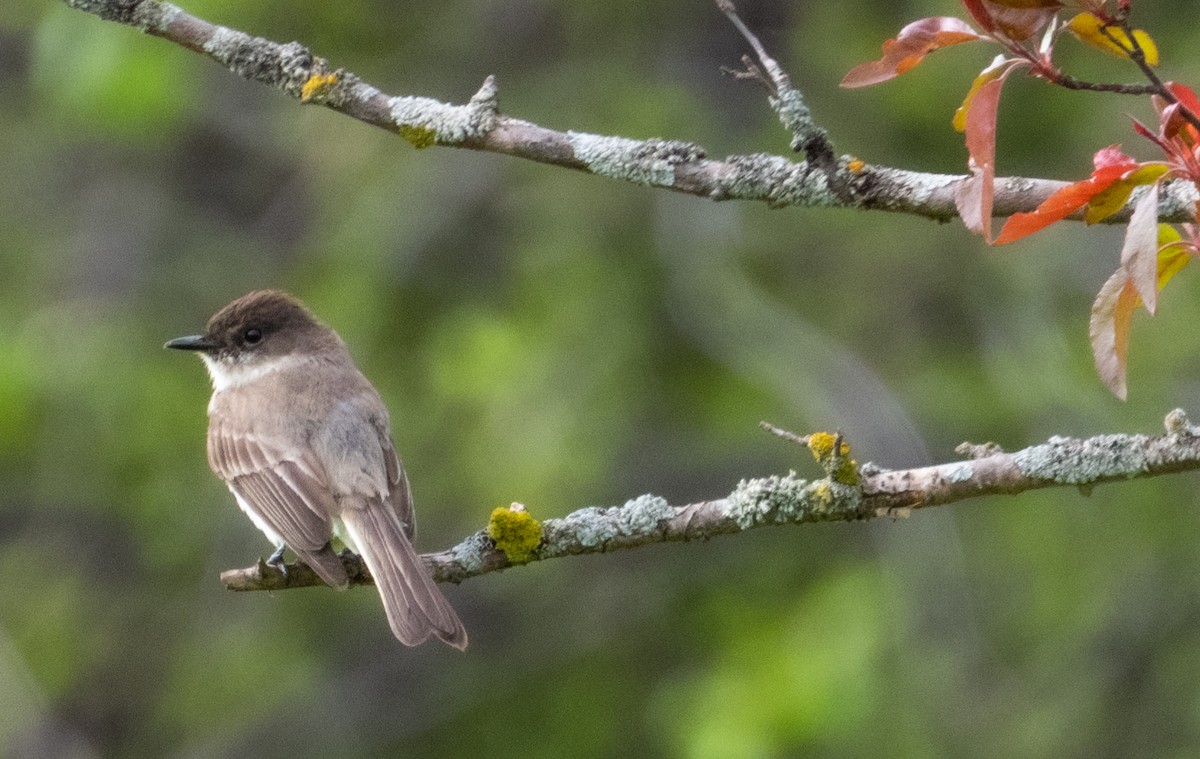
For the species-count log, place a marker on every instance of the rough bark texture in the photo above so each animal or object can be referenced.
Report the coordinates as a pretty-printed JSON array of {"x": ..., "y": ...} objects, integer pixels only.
[
  {"x": 778, "y": 500},
  {"x": 821, "y": 180}
]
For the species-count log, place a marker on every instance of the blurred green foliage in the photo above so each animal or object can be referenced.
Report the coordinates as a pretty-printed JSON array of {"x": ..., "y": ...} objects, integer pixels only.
[{"x": 563, "y": 340}]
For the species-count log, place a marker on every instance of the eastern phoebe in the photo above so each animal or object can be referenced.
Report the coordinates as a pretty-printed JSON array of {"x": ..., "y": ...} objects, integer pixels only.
[{"x": 304, "y": 442}]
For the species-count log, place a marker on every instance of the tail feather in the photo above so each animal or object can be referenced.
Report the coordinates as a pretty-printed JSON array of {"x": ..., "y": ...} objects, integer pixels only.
[
  {"x": 325, "y": 562},
  {"x": 415, "y": 607}
]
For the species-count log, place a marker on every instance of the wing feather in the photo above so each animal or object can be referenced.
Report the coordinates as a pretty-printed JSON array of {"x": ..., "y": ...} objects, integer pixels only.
[
  {"x": 289, "y": 496},
  {"x": 399, "y": 491}
]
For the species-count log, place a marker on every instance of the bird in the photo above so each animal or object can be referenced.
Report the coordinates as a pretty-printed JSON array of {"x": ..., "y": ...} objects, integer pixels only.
[{"x": 304, "y": 442}]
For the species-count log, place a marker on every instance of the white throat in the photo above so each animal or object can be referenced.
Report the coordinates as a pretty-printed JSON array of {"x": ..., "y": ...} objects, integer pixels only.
[{"x": 226, "y": 376}]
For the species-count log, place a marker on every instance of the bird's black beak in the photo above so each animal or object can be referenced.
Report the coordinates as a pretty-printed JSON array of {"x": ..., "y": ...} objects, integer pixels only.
[{"x": 189, "y": 343}]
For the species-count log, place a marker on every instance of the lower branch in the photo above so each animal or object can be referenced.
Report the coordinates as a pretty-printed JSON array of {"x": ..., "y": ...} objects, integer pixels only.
[{"x": 778, "y": 500}]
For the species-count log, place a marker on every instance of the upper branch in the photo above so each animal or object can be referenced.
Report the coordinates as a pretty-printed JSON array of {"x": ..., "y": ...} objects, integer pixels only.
[
  {"x": 668, "y": 164},
  {"x": 777, "y": 500}
]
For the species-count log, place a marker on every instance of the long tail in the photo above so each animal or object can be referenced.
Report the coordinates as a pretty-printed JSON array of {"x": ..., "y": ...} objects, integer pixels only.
[{"x": 415, "y": 607}]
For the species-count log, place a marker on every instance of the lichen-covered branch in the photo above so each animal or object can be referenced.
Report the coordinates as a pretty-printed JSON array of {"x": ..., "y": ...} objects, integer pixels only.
[
  {"x": 668, "y": 164},
  {"x": 848, "y": 493},
  {"x": 788, "y": 102}
]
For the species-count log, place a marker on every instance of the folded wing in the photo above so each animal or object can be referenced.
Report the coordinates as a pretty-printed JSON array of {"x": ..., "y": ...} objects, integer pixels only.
[{"x": 283, "y": 491}]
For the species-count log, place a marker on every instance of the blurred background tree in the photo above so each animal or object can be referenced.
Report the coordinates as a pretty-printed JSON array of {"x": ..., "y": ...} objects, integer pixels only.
[{"x": 560, "y": 339}]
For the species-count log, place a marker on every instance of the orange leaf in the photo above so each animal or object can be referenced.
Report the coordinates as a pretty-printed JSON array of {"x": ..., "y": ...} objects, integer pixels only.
[
  {"x": 1108, "y": 329},
  {"x": 1090, "y": 29},
  {"x": 1112, "y": 199},
  {"x": 1111, "y": 164},
  {"x": 907, "y": 49}
]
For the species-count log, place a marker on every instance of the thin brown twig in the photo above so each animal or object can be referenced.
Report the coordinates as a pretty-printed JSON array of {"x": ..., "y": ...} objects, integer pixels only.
[
  {"x": 1138, "y": 56},
  {"x": 785, "y": 434}
]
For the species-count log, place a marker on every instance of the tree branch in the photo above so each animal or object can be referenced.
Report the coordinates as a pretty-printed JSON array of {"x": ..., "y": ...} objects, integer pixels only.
[
  {"x": 777, "y": 500},
  {"x": 788, "y": 102},
  {"x": 668, "y": 164}
]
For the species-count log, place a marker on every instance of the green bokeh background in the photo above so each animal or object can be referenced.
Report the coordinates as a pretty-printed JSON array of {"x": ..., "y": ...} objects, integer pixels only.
[{"x": 564, "y": 340}]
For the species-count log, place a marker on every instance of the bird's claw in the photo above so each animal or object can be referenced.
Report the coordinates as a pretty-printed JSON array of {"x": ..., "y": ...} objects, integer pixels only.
[{"x": 276, "y": 560}]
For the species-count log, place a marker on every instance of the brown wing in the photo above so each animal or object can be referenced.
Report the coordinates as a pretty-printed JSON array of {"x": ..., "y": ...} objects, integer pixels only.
[
  {"x": 286, "y": 492},
  {"x": 399, "y": 490}
]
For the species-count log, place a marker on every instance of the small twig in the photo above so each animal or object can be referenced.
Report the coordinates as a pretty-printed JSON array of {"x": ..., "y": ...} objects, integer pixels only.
[
  {"x": 1138, "y": 56},
  {"x": 780, "y": 432},
  {"x": 778, "y": 75},
  {"x": 1066, "y": 81},
  {"x": 787, "y": 101},
  {"x": 751, "y": 73},
  {"x": 1041, "y": 67}
]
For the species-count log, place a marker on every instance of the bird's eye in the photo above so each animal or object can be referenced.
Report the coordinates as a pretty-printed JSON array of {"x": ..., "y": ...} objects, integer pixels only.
[{"x": 252, "y": 335}]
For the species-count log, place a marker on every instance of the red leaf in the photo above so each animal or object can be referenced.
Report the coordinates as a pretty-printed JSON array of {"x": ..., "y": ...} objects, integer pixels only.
[
  {"x": 981, "y": 14},
  {"x": 907, "y": 49},
  {"x": 974, "y": 196},
  {"x": 1139, "y": 255},
  {"x": 1112, "y": 314},
  {"x": 1111, "y": 164},
  {"x": 1173, "y": 121},
  {"x": 1057, "y": 207},
  {"x": 1016, "y": 19},
  {"x": 1111, "y": 157},
  {"x": 1186, "y": 96}
]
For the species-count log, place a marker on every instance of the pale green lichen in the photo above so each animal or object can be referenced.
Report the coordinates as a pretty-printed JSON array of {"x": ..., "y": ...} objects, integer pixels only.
[
  {"x": 647, "y": 162},
  {"x": 1069, "y": 461},
  {"x": 789, "y": 499},
  {"x": 425, "y": 121},
  {"x": 642, "y": 514},
  {"x": 961, "y": 473},
  {"x": 151, "y": 17},
  {"x": 285, "y": 67},
  {"x": 587, "y": 526},
  {"x": 778, "y": 181},
  {"x": 593, "y": 527},
  {"x": 146, "y": 15},
  {"x": 469, "y": 553},
  {"x": 222, "y": 43},
  {"x": 796, "y": 116}
]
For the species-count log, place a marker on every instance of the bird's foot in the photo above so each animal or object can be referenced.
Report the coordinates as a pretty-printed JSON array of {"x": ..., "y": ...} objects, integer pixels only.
[{"x": 276, "y": 560}]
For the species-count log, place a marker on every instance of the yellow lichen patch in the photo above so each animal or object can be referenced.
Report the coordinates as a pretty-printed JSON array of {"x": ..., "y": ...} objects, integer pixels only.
[
  {"x": 515, "y": 532},
  {"x": 318, "y": 85},
  {"x": 841, "y": 467},
  {"x": 822, "y": 497},
  {"x": 856, "y": 166},
  {"x": 821, "y": 445},
  {"x": 847, "y": 473},
  {"x": 418, "y": 137}
]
